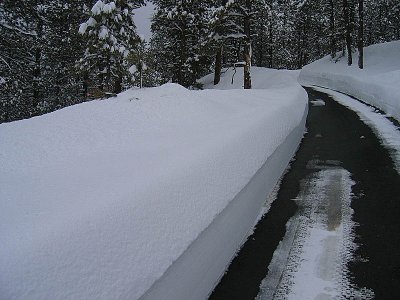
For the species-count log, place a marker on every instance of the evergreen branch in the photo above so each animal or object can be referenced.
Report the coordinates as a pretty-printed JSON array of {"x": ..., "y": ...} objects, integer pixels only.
[{"x": 17, "y": 29}]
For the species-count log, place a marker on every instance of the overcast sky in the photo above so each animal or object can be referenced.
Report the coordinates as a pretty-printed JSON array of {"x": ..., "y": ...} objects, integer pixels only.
[{"x": 143, "y": 20}]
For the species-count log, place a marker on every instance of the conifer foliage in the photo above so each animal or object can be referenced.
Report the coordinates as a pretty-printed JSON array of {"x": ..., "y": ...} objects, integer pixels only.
[
  {"x": 55, "y": 53},
  {"x": 111, "y": 37},
  {"x": 180, "y": 30},
  {"x": 38, "y": 49}
]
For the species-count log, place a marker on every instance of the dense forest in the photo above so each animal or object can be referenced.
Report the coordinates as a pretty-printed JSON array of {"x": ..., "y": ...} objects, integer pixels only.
[{"x": 55, "y": 53}]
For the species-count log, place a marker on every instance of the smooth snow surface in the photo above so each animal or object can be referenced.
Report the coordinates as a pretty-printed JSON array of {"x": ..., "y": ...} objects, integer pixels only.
[
  {"x": 205, "y": 261},
  {"x": 99, "y": 200},
  {"x": 262, "y": 78},
  {"x": 377, "y": 84},
  {"x": 311, "y": 260}
]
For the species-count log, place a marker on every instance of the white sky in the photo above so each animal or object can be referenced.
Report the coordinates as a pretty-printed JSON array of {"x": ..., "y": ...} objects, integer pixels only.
[{"x": 143, "y": 20}]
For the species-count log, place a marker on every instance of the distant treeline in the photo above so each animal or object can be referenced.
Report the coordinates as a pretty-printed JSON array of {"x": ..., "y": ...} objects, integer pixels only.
[{"x": 55, "y": 53}]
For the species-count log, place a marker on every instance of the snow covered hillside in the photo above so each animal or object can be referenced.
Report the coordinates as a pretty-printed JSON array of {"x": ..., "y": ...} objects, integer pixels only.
[
  {"x": 378, "y": 83},
  {"x": 105, "y": 199}
]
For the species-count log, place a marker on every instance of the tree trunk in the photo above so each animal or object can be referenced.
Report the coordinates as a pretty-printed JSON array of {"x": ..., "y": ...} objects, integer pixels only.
[
  {"x": 247, "y": 47},
  {"x": 118, "y": 80},
  {"x": 361, "y": 34},
  {"x": 299, "y": 47},
  {"x": 247, "y": 67},
  {"x": 108, "y": 72},
  {"x": 118, "y": 83},
  {"x": 37, "y": 68},
  {"x": 347, "y": 25},
  {"x": 182, "y": 55},
  {"x": 218, "y": 65},
  {"x": 270, "y": 46},
  {"x": 332, "y": 28},
  {"x": 85, "y": 84}
]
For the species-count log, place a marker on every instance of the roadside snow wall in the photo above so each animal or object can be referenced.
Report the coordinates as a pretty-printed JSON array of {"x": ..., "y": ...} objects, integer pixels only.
[
  {"x": 377, "y": 84},
  {"x": 147, "y": 195}
]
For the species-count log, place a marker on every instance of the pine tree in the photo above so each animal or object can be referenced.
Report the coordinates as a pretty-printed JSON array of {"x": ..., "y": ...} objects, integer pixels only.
[
  {"x": 111, "y": 36},
  {"x": 138, "y": 59},
  {"x": 348, "y": 29},
  {"x": 39, "y": 47},
  {"x": 179, "y": 36},
  {"x": 22, "y": 42},
  {"x": 361, "y": 34},
  {"x": 238, "y": 31},
  {"x": 65, "y": 47},
  {"x": 332, "y": 28},
  {"x": 218, "y": 35},
  {"x": 247, "y": 18},
  {"x": 261, "y": 42}
]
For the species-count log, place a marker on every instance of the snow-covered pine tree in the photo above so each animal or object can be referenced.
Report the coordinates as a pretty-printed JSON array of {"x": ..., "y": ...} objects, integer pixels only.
[
  {"x": 261, "y": 38},
  {"x": 65, "y": 46},
  {"x": 241, "y": 16},
  {"x": 382, "y": 21},
  {"x": 348, "y": 30},
  {"x": 179, "y": 33},
  {"x": 22, "y": 27},
  {"x": 312, "y": 18},
  {"x": 265, "y": 26},
  {"x": 285, "y": 33},
  {"x": 393, "y": 20},
  {"x": 38, "y": 52},
  {"x": 111, "y": 35},
  {"x": 219, "y": 34},
  {"x": 139, "y": 59}
]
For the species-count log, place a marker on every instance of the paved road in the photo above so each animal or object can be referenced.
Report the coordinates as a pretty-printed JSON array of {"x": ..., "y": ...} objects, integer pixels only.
[{"x": 336, "y": 140}]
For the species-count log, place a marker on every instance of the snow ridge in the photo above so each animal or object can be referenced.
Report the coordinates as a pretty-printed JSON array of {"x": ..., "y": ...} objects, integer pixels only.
[
  {"x": 102, "y": 198},
  {"x": 377, "y": 84}
]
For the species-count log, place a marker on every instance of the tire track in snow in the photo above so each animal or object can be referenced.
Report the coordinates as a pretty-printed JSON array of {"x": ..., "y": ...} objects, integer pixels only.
[{"x": 311, "y": 261}]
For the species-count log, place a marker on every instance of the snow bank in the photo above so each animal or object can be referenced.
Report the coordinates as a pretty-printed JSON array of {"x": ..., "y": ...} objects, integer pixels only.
[
  {"x": 377, "y": 84},
  {"x": 262, "y": 78},
  {"x": 150, "y": 191}
]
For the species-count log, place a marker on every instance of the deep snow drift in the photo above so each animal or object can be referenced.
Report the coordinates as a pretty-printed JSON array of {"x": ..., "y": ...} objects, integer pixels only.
[
  {"x": 102, "y": 199},
  {"x": 377, "y": 84}
]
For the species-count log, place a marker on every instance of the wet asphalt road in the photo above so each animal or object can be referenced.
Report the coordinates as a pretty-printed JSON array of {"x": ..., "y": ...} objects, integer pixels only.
[{"x": 334, "y": 134}]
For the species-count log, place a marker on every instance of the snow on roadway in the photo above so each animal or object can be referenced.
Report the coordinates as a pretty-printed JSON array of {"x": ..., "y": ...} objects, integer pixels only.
[
  {"x": 99, "y": 200},
  {"x": 388, "y": 133},
  {"x": 318, "y": 102},
  {"x": 377, "y": 84},
  {"x": 311, "y": 260}
]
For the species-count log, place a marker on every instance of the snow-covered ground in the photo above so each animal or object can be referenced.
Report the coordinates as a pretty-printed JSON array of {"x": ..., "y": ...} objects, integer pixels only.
[
  {"x": 113, "y": 199},
  {"x": 377, "y": 84},
  {"x": 262, "y": 78}
]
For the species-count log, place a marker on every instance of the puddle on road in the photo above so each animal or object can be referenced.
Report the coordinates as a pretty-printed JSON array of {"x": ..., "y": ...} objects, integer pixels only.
[{"x": 311, "y": 260}]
